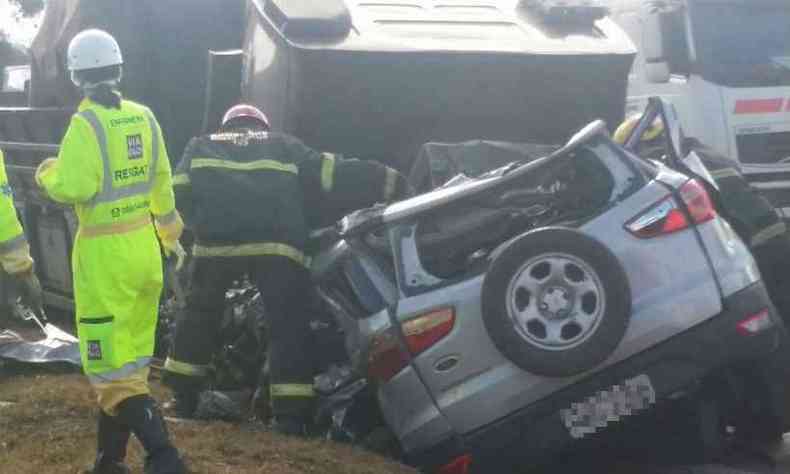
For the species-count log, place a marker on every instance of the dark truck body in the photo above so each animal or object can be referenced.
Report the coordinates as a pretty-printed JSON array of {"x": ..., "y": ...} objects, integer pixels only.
[{"x": 373, "y": 80}]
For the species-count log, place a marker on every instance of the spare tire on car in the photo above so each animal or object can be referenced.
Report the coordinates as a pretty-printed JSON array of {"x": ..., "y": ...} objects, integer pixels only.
[{"x": 556, "y": 302}]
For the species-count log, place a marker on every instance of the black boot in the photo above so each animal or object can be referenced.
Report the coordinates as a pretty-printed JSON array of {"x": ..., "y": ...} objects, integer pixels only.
[
  {"x": 290, "y": 425},
  {"x": 292, "y": 414},
  {"x": 186, "y": 393},
  {"x": 184, "y": 404},
  {"x": 111, "y": 450},
  {"x": 141, "y": 414}
]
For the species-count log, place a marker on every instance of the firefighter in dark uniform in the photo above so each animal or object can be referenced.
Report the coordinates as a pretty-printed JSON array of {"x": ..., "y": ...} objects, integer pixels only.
[
  {"x": 242, "y": 192},
  {"x": 751, "y": 215}
]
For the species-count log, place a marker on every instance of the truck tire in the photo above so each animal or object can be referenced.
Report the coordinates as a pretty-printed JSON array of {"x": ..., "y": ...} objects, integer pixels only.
[{"x": 556, "y": 302}]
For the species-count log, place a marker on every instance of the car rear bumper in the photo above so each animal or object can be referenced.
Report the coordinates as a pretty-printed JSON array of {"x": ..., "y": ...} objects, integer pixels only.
[{"x": 538, "y": 431}]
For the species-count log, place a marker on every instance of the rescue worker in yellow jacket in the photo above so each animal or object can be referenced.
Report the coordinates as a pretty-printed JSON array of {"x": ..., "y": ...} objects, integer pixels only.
[
  {"x": 15, "y": 257},
  {"x": 113, "y": 167}
]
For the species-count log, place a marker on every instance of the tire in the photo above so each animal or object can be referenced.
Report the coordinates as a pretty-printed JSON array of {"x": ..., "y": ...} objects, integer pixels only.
[{"x": 581, "y": 310}]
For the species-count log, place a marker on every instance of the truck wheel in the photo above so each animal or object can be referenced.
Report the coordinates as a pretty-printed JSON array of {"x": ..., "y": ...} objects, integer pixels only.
[{"x": 556, "y": 302}]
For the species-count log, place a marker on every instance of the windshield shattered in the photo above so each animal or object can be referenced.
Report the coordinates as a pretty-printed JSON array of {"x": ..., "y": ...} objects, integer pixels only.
[{"x": 743, "y": 46}]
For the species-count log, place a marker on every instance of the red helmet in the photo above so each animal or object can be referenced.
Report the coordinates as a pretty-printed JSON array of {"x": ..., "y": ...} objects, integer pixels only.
[{"x": 243, "y": 112}]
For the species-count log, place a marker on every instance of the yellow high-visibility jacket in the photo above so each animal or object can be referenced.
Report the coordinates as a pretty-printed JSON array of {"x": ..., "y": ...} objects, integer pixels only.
[
  {"x": 113, "y": 179},
  {"x": 14, "y": 249},
  {"x": 113, "y": 167}
]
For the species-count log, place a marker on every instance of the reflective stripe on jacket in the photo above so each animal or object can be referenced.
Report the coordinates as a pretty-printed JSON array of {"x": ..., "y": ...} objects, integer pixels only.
[
  {"x": 335, "y": 187},
  {"x": 239, "y": 192},
  {"x": 247, "y": 193}
]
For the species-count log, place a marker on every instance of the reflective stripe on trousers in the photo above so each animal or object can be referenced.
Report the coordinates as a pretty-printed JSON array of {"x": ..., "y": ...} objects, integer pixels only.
[
  {"x": 768, "y": 233},
  {"x": 284, "y": 390},
  {"x": 108, "y": 193},
  {"x": 185, "y": 368},
  {"x": 181, "y": 180},
  {"x": 251, "y": 250},
  {"x": 725, "y": 173}
]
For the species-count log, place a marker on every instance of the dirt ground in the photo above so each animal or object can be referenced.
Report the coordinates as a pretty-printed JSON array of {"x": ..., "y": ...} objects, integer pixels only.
[{"x": 47, "y": 425}]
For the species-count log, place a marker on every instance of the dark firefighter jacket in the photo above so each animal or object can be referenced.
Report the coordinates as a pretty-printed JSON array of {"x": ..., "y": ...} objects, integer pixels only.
[
  {"x": 335, "y": 187},
  {"x": 751, "y": 215},
  {"x": 754, "y": 219},
  {"x": 246, "y": 193}
]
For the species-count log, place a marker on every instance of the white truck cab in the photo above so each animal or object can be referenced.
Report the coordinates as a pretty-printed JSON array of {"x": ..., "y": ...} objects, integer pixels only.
[{"x": 725, "y": 65}]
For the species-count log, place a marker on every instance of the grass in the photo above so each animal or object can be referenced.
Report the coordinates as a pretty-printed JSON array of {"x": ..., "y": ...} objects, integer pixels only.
[{"x": 47, "y": 425}]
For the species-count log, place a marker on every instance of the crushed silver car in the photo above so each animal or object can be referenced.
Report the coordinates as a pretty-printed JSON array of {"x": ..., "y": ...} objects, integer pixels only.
[{"x": 502, "y": 317}]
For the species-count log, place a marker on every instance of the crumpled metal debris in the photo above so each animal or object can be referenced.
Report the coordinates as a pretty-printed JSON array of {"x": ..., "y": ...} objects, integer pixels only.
[
  {"x": 333, "y": 379},
  {"x": 225, "y": 406},
  {"x": 346, "y": 408}
]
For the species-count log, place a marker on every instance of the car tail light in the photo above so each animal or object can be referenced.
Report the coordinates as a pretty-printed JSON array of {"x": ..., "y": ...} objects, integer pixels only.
[
  {"x": 459, "y": 465},
  {"x": 387, "y": 357},
  {"x": 756, "y": 323},
  {"x": 698, "y": 202},
  {"x": 666, "y": 217},
  {"x": 424, "y": 331}
]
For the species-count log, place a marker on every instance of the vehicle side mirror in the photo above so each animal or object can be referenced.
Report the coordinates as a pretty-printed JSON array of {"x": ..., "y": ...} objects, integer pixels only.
[{"x": 653, "y": 37}]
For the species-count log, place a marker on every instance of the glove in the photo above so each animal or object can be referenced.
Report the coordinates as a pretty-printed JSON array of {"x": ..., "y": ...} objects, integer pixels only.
[
  {"x": 175, "y": 254},
  {"x": 30, "y": 292},
  {"x": 43, "y": 168}
]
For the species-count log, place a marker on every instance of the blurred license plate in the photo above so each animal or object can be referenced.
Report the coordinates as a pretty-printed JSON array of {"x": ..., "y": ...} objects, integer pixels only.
[{"x": 609, "y": 406}]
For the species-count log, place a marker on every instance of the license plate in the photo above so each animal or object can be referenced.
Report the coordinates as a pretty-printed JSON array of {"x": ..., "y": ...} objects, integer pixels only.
[{"x": 609, "y": 406}]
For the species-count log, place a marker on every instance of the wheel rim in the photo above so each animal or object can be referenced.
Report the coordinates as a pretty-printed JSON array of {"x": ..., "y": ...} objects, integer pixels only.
[{"x": 556, "y": 301}]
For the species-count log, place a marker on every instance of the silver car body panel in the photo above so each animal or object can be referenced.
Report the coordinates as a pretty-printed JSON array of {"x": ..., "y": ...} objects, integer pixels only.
[
  {"x": 677, "y": 281},
  {"x": 672, "y": 288},
  {"x": 733, "y": 263},
  {"x": 411, "y": 413}
]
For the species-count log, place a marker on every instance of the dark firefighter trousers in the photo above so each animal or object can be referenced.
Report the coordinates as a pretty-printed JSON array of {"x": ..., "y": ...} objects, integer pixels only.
[{"x": 284, "y": 286}]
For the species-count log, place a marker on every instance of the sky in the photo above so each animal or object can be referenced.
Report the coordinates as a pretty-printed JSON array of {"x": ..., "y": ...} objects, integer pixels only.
[{"x": 20, "y": 32}]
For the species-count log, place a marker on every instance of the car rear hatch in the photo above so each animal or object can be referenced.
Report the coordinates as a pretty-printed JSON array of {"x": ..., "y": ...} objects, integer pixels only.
[{"x": 673, "y": 288}]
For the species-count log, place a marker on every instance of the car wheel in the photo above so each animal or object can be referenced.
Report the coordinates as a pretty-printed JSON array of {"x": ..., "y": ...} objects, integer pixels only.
[{"x": 556, "y": 302}]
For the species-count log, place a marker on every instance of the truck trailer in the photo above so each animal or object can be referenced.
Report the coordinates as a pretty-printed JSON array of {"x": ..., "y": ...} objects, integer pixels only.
[
  {"x": 370, "y": 80},
  {"x": 725, "y": 66}
]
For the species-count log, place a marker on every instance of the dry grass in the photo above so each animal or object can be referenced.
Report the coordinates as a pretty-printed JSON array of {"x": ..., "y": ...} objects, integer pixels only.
[{"x": 49, "y": 427}]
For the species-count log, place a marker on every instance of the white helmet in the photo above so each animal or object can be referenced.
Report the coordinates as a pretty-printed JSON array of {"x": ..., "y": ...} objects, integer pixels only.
[{"x": 93, "y": 49}]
